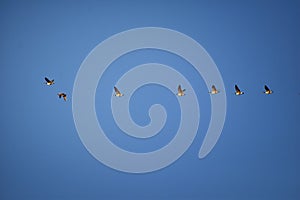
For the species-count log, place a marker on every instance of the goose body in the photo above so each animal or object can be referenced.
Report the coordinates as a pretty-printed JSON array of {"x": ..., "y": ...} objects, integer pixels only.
[
  {"x": 214, "y": 90},
  {"x": 238, "y": 91},
  {"x": 267, "y": 90},
  {"x": 62, "y": 95},
  {"x": 117, "y": 92},
  {"x": 48, "y": 81},
  {"x": 180, "y": 91}
]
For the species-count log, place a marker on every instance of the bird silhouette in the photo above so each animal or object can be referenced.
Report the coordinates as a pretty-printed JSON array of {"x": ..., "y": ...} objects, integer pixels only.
[
  {"x": 180, "y": 91},
  {"x": 214, "y": 90},
  {"x": 237, "y": 90},
  {"x": 61, "y": 94},
  {"x": 267, "y": 90},
  {"x": 117, "y": 92},
  {"x": 49, "y": 82}
]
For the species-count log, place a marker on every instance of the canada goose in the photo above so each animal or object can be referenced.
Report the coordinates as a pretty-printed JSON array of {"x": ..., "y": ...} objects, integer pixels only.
[
  {"x": 237, "y": 90},
  {"x": 214, "y": 90},
  {"x": 62, "y": 95},
  {"x": 267, "y": 90},
  {"x": 180, "y": 91},
  {"x": 117, "y": 92},
  {"x": 48, "y": 82}
]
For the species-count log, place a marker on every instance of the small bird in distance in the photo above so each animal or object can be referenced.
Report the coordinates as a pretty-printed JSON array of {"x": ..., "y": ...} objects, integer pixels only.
[
  {"x": 180, "y": 91},
  {"x": 62, "y": 95},
  {"x": 267, "y": 90},
  {"x": 214, "y": 90},
  {"x": 117, "y": 92},
  {"x": 238, "y": 91},
  {"x": 49, "y": 82}
]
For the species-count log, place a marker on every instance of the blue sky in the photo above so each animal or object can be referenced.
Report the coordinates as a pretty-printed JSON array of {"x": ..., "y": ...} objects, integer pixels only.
[{"x": 253, "y": 43}]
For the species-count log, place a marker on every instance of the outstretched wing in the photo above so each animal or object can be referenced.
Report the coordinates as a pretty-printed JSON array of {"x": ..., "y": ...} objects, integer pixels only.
[
  {"x": 65, "y": 97},
  {"x": 48, "y": 81},
  {"x": 214, "y": 89},
  {"x": 179, "y": 89},
  {"x": 116, "y": 90},
  {"x": 237, "y": 89},
  {"x": 266, "y": 88}
]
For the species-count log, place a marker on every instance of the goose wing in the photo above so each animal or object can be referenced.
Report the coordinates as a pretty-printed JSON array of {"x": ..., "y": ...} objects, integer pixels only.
[
  {"x": 179, "y": 89},
  {"x": 214, "y": 89},
  {"x": 237, "y": 89},
  {"x": 47, "y": 80},
  {"x": 116, "y": 90},
  {"x": 266, "y": 88}
]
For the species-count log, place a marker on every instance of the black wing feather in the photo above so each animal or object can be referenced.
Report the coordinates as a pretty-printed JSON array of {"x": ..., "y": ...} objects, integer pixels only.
[
  {"x": 266, "y": 88},
  {"x": 237, "y": 88},
  {"x": 116, "y": 89},
  {"x": 47, "y": 80}
]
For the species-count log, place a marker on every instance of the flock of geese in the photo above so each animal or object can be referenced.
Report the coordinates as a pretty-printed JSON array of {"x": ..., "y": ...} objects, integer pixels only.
[{"x": 181, "y": 92}]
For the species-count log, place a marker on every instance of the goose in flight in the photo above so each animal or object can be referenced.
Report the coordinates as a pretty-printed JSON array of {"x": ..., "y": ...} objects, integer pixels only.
[
  {"x": 237, "y": 90},
  {"x": 49, "y": 82},
  {"x": 214, "y": 90},
  {"x": 180, "y": 91},
  {"x": 117, "y": 92},
  {"x": 61, "y": 94},
  {"x": 267, "y": 90}
]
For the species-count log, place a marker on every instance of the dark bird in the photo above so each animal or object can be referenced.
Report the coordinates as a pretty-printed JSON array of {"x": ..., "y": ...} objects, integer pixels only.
[
  {"x": 267, "y": 90},
  {"x": 180, "y": 91},
  {"x": 49, "y": 82},
  {"x": 63, "y": 95},
  {"x": 117, "y": 92},
  {"x": 237, "y": 90},
  {"x": 214, "y": 90}
]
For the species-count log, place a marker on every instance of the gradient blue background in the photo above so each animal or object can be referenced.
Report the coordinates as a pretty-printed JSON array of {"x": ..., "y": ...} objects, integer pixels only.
[{"x": 253, "y": 43}]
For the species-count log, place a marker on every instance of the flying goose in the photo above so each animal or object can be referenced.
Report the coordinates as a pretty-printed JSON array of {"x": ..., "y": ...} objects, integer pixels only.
[
  {"x": 237, "y": 90},
  {"x": 180, "y": 91},
  {"x": 117, "y": 92},
  {"x": 267, "y": 90},
  {"x": 214, "y": 90},
  {"x": 61, "y": 94},
  {"x": 48, "y": 82}
]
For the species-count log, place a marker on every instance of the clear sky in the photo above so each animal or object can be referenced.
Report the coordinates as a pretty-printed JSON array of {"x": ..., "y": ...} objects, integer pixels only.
[{"x": 252, "y": 42}]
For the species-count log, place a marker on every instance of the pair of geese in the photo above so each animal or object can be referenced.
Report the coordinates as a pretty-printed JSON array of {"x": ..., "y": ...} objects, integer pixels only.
[
  {"x": 60, "y": 94},
  {"x": 214, "y": 90}
]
